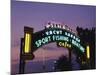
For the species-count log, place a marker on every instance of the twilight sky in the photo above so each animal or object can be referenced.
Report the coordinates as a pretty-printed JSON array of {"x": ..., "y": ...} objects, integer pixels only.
[{"x": 36, "y": 15}]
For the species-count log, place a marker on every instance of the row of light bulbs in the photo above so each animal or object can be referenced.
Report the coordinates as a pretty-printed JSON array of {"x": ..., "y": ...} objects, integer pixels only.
[{"x": 58, "y": 25}]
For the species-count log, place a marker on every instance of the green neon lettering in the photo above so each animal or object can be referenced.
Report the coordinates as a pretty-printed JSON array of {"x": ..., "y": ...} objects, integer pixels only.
[
  {"x": 66, "y": 33},
  {"x": 50, "y": 32},
  {"x": 54, "y": 32},
  {"x": 60, "y": 32},
  {"x": 43, "y": 41},
  {"x": 53, "y": 38},
  {"x": 47, "y": 33},
  {"x": 40, "y": 42},
  {"x": 37, "y": 44},
  {"x": 57, "y": 32},
  {"x": 74, "y": 37},
  {"x": 82, "y": 49},
  {"x": 69, "y": 34}
]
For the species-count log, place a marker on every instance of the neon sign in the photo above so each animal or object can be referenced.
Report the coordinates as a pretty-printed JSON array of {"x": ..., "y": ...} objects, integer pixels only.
[
  {"x": 57, "y": 35},
  {"x": 52, "y": 33}
]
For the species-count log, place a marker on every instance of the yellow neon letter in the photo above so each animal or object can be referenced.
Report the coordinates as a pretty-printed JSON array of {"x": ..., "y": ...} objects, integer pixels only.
[{"x": 60, "y": 44}]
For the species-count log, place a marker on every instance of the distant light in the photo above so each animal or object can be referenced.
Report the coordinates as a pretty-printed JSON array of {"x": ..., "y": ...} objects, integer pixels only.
[
  {"x": 83, "y": 62},
  {"x": 55, "y": 61},
  {"x": 53, "y": 68}
]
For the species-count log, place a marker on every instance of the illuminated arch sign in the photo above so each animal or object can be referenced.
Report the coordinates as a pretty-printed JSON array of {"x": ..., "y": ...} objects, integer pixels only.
[{"x": 58, "y": 34}]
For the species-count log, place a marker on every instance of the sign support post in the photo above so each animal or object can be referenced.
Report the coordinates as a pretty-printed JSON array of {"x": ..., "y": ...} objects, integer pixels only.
[
  {"x": 70, "y": 56},
  {"x": 22, "y": 61},
  {"x": 26, "y": 52}
]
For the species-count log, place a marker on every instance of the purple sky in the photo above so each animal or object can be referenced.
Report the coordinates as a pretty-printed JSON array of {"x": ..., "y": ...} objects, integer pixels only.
[{"x": 36, "y": 15}]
